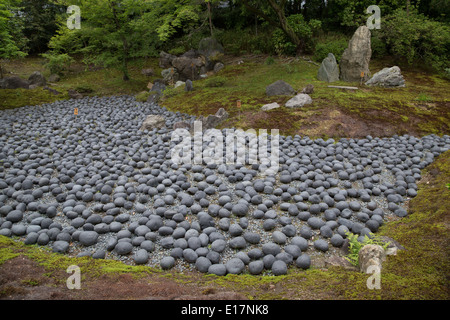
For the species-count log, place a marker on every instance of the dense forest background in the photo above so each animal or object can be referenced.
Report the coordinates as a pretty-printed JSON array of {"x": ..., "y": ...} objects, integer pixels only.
[{"x": 113, "y": 32}]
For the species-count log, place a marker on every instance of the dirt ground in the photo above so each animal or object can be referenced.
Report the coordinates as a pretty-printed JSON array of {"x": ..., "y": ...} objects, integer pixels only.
[{"x": 24, "y": 279}]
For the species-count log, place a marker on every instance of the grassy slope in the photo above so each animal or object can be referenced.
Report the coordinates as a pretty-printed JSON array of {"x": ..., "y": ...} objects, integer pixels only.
[{"x": 419, "y": 272}]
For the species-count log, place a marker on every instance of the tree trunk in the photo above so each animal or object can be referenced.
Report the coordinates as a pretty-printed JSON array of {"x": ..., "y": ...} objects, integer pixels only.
[
  {"x": 209, "y": 16},
  {"x": 126, "y": 76},
  {"x": 282, "y": 21},
  {"x": 279, "y": 10}
]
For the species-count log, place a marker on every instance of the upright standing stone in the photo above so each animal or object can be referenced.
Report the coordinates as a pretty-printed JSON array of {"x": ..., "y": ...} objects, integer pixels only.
[
  {"x": 356, "y": 57},
  {"x": 329, "y": 70},
  {"x": 188, "y": 85}
]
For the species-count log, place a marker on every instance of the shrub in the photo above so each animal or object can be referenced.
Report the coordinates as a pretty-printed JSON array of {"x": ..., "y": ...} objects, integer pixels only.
[
  {"x": 305, "y": 30},
  {"x": 355, "y": 246},
  {"x": 335, "y": 46},
  {"x": 269, "y": 61},
  {"x": 414, "y": 37},
  {"x": 215, "y": 82},
  {"x": 57, "y": 63},
  {"x": 142, "y": 96}
]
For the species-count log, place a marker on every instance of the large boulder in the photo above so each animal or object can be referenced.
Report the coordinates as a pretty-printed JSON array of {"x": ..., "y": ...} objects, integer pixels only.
[
  {"x": 188, "y": 68},
  {"x": 280, "y": 88},
  {"x": 388, "y": 77},
  {"x": 356, "y": 57},
  {"x": 36, "y": 79},
  {"x": 153, "y": 121},
  {"x": 212, "y": 121},
  {"x": 210, "y": 48},
  {"x": 165, "y": 59},
  {"x": 299, "y": 101},
  {"x": 329, "y": 70},
  {"x": 170, "y": 75},
  {"x": 13, "y": 82}
]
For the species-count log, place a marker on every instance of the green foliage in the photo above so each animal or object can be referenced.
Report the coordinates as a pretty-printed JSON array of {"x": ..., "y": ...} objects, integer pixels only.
[
  {"x": 335, "y": 44},
  {"x": 177, "y": 51},
  {"x": 269, "y": 61},
  {"x": 414, "y": 37},
  {"x": 378, "y": 45},
  {"x": 39, "y": 19},
  {"x": 57, "y": 63},
  {"x": 215, "y": 82},
  {"x": 355, "y": 246},
  {"x": 11, "y": 44},
  {"x": 235, "y": 41},
  {"x": 305, "y": 30},
  {"x": 142, "y": 96}
]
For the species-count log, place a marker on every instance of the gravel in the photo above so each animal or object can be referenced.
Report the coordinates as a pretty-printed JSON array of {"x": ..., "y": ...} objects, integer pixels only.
[{"x": 94, "y": 184}]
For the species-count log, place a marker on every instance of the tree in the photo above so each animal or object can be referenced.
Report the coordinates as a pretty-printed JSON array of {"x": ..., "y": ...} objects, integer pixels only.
[
  {"x": 273, "y": 11},
  {"x": 39, "y": 20},
  {"x": 10, "y": 30},
  {"x": 112, "y": 32}
]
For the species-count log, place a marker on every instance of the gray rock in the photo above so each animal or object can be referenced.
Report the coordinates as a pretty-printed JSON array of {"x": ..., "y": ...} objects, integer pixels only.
[
  {"x": 356, "y": 57},
  {"x": 141, "y": 256},
  {"x": 188, "y": 67},
  {"x": 299, "y": 101},
  {"x": 99, "y": 254},
  {"x": 88, "y": 238},
  {"x": 188, "y": 85},
  {"x": 240, "y": 209},
  {"x": 235, "y": 266},
  {"x": 167, "y": 263},
  {"x": 321, "y": 245},
  {"x": 300, "y": 242},
  {"x": 256, "y": 267},
  {"x": 14, "y": 216},
  {"x": 210, "y": 48},
  {"x": 123, "y": 248},
  {"x": 202, "y": 264},
  {"x": 329, "y": 69},
  {"x": 293, "y": 250},
  {"x": 304, "y": 261},
  {"x": 60, "y": 246},
  {"x": 170, "y": 76},
  {"x": 337, "y": 240},
  {"x": 190, "y": 255},
  {"x": 152, "y": 122},
  {"x": 279, "y": 237},
  {"x": 279, "y": 88},
  {"x": 37, "y": 79},
  {"x": 14, "y": 82},
  {"x": 271, "y": 248},
  {"x": 388, "y": 78},
  {"x": 252, "y": 237},
  {"x": 218, "y": 269},
  {"x": 237, "y": 243},
  {"x": 218, "y": 66},
  {"x": 165, "y": 59},
  {"x": 279, "y": 267},
  {"x": 43, "y": 239},
  {"x": 218, "y": 245},
  {"x": 270, "y": 106}
]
